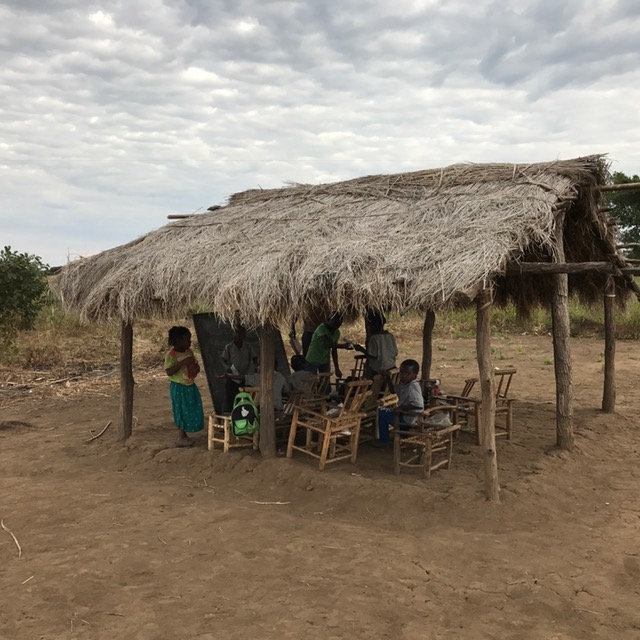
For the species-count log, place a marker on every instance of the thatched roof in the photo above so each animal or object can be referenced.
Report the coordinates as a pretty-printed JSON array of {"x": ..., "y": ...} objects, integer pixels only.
[{"x": 412, "y": 240}]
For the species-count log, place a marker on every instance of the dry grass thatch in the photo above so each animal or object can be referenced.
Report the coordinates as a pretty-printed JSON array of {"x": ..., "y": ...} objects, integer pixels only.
[{"x": 413, "y": 240}]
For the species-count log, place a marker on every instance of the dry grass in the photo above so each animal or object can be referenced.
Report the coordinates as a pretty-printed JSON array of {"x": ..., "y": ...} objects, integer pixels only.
[
  {"x": 402, "y": 242},
  {"x": 62, "y": 342}
]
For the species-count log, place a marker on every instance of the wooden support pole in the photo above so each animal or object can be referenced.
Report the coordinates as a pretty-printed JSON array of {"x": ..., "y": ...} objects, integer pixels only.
[
  {"x": 562, "y": 347},
  {"x": 267, "y": 409},
  {"x": 487, "y": 424},
  {"x": 126, "y": 380},
  {"x": 427, "y": 346},
  {"x": 609, "y": 393}
]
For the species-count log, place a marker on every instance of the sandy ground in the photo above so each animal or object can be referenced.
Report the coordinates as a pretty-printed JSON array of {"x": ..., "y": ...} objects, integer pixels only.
[{"x": 145, "y": 541}]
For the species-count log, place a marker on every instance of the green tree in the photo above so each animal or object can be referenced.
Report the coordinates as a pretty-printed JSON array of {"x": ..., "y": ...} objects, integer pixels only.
[
  {"x": 23, "y": 291},
  {"x": 625, "y": 207}
]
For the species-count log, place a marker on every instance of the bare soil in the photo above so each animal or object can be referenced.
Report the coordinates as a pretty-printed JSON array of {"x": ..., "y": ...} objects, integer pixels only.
[{"x": 144, "y": 541}]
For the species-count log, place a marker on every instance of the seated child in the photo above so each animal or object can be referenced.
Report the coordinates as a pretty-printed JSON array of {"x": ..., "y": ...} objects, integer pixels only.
[
  {"x": 410, "y": 401},
  {"x": 300, "y": 378},
  {"x": 280, "y": 385}
]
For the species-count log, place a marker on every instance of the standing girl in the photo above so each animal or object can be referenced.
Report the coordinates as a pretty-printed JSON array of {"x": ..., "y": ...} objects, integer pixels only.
[{"x": 182, "y": 368}]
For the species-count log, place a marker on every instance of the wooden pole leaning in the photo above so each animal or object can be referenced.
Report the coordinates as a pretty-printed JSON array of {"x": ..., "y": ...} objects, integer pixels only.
[
  {"x": 487, "y": 424},
  {"x": 427, "y": 346},
  {"x": 126, "y": 379},
  {"x": 609, "y": 392},
  {"x": 267, "y": 409},
  {"x": 561, "y": 347}
]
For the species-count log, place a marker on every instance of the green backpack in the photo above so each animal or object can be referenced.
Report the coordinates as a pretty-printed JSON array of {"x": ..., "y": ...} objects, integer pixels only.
[{"x": 245, "y": 417}]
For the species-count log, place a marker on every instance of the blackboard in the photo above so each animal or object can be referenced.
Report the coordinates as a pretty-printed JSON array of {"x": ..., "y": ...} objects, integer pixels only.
[{"x": 213, "y": 335}]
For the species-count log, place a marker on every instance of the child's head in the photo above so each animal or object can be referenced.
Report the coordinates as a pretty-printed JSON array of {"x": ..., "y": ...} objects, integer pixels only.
[
  {"x": 297, "y": 362},
  {"x": 375, "y": 321},
  {"x": 335, "y": 321},
  {"x": 179, "y": 338},
  {"x": 239, "y": 333},
  {"x": 408, "y": 371}
]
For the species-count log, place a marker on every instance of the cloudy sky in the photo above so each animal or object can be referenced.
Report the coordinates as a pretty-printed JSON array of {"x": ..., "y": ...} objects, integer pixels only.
[{"x": 114, "y": 113}]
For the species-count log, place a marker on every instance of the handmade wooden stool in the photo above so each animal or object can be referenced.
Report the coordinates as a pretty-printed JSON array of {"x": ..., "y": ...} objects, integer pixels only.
[{"x": 220, "y": 430}]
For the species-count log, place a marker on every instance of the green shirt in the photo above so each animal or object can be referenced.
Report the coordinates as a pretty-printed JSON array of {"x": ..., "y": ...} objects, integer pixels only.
[{"x": 318, "y": 352}]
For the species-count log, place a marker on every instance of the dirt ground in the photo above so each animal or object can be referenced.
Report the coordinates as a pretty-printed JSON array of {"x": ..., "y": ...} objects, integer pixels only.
[{"x": 145, "y": 541}]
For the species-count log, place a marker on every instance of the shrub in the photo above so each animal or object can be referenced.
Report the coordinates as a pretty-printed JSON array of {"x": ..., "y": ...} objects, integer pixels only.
[{"x": 23, "y": 290}]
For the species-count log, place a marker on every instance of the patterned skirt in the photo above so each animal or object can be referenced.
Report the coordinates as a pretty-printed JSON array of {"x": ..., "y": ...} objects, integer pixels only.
[{"x": 186, "y": 403}]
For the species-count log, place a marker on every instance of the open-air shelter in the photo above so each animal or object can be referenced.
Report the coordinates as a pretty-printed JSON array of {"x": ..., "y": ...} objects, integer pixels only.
[{"x": 478, "y": 234}]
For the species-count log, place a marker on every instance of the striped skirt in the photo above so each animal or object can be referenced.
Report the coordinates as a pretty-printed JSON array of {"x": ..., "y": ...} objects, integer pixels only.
[{"x": 186, "y": 403}]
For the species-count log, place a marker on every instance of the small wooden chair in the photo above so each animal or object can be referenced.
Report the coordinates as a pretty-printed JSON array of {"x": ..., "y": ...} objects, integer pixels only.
[
  {"x": 322, "y": 385},
  {"x": 469, "y": 384},
  {"x": 427, "y": 447},
  {"x": 220, "y": 430},
  {"x": 468, "y": 407},
  {"x": 359, "y": 363},
  {"x": 504, "y": 404},
  {"x": 313, "y": 393},
  {"x": 369, "y": 425},
  {"x": 336, "y": 431},
  {"x": 467, "y": 413}
]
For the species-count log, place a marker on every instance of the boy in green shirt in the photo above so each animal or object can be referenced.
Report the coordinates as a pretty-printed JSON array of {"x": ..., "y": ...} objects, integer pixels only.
[{"x": 324, "y": 345}]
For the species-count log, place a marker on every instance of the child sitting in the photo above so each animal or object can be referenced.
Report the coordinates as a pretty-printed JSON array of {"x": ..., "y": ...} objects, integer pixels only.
[
  {"x": 300, "y": 378},
  {"x": 280, "y": 384},
  {"x": 410, "y": 401}
]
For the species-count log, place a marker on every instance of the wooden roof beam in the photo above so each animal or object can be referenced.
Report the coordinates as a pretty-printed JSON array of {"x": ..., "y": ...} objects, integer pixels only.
[
  {"x": 620, "y": 187},
  {"x": 520, "y": 268}
]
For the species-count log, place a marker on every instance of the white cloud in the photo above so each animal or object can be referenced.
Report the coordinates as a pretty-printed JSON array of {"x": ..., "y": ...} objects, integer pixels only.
[
  {"x": 115, "y": 114},
  {"x": 101, "y": 18}
]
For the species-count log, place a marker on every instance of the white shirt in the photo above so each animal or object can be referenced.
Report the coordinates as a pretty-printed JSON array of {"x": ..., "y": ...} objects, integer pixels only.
[
  {"x": 298, "y": 378},
  {"x": 242, "y": 358},
  {"x": 280, "y": 386},
  {"x": 410, "y": 394},
  {"x": 382, "y": 351}
]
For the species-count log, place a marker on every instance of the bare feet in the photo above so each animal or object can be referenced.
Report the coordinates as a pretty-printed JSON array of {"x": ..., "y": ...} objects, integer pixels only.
[{"x": 184, "y": 441}]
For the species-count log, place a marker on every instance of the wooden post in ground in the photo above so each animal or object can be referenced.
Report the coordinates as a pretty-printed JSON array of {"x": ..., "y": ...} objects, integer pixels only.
[
  {"x": 427, "y": 346},
  {"x": 562, "y": 347},
  {"x": 487, "y": 424},
  {"x": 609, "y": 393},
  {"x": 126, "y": 379},
  {"x": 267, "y": 409}
]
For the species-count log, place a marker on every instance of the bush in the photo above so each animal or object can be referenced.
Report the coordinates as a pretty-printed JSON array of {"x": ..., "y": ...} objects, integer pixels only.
[{"x": 23, "y": 290}]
